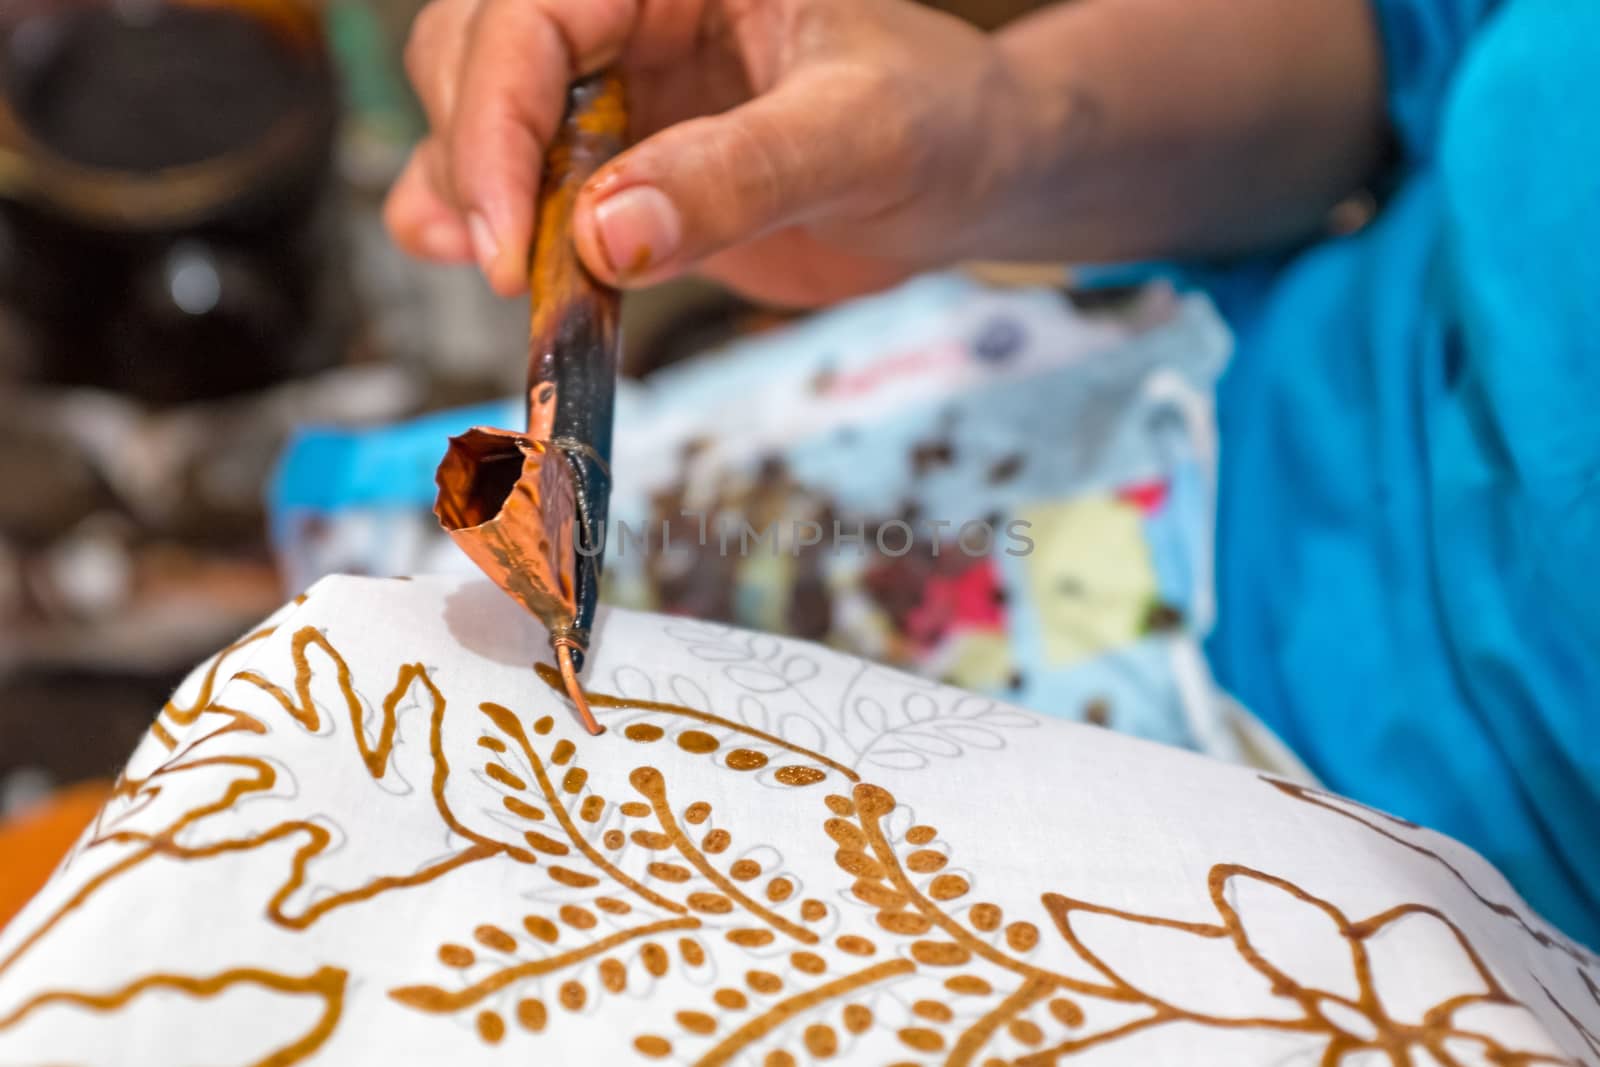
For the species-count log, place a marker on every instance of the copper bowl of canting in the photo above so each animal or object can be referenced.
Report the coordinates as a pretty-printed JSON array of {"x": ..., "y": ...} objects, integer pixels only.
[{"x": 507, "y": 501}]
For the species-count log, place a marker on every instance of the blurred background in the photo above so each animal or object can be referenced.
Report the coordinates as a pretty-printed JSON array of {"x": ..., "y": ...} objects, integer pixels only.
[{"x": 192, "y": 262}]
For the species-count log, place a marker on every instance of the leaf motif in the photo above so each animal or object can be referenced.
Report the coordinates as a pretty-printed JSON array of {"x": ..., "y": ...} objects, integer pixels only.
[
  {"x": 970, "y": 707},
  {"x": 689, "y": 693},
  {"x": 902, "y": 818},
  {"x": 962, "y": 733},
  {"x": 898, "y": 759},
  {"x": 631, "y": 683},
  {"x": 798, "y": 669},
  {"x": 928, "y": 743},
  {"x": 920, "y": 707},
  {"x": 753, "y": 712},
  {"x": 873, "y": 716},
  {"x": 421, "y": 997},
  {"x": 768, "y": 856},
  {"x": 757, "y": 679},
  {"x": 764, "y": 646},
  {"x": 802, "y": 730},
  {"x": 1010, "y": 719}
]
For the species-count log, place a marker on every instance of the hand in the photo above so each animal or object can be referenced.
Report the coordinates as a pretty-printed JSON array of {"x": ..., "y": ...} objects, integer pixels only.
[{"x": 801, "y": 151}]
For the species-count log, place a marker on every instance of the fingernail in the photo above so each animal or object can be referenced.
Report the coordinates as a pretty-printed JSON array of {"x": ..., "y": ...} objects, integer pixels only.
[
  {"x": 638, "y": 227},
  {"x": 484, "y": 248},
  {"x": 439, "y": 240}
]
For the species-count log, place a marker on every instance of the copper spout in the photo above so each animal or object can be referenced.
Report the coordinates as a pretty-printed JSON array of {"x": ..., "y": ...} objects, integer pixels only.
[
  {"x": 530, "y": 508},
  {"x": 569, "y": 678}
]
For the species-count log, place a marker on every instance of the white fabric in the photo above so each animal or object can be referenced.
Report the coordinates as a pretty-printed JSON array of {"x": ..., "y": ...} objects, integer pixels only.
[{"x": 321, "y": 855}]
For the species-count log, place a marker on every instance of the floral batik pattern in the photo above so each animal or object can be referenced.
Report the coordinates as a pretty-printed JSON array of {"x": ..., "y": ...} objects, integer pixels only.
[{"x": 371, "y": 831}]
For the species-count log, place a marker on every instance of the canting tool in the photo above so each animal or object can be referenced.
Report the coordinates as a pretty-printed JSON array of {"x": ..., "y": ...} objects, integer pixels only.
[{"x": 530, "y": 508}]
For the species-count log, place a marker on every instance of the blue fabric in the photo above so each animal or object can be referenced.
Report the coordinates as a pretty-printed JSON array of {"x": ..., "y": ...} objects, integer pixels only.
[
  {"x": 1409, "y": 542},
  {"x": 325, "y": 468}
]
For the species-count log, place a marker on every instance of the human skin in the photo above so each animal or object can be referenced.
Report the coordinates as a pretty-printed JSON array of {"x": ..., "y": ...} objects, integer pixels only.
[{"x": 805, "y": 151}]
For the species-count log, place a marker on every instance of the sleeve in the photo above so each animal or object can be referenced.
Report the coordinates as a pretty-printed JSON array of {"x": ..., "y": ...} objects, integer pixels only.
[{"x": 1423, "y": 41}]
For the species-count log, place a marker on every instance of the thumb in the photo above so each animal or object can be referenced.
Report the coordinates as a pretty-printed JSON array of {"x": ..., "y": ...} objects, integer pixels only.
[{"x": 710, "y": 183}]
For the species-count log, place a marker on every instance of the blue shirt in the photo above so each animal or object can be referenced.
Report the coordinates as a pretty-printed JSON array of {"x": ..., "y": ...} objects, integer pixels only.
[{"x": 1409, "y": 542}]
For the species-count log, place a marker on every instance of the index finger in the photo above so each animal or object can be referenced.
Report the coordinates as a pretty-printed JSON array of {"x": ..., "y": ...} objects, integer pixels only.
[{"x": 521, "y": 56}]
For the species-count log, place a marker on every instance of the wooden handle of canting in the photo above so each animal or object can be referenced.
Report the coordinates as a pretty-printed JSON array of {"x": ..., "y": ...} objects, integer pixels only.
[{"x": 575, "y": 336}]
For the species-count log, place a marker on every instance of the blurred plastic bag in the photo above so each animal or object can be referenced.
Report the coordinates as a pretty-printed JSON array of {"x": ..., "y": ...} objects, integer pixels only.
[{"x": 992, "y": 488}]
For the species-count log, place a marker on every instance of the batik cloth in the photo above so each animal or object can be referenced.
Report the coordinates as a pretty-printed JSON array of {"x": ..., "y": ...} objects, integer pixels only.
[{"x": 371, "y": 833}]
